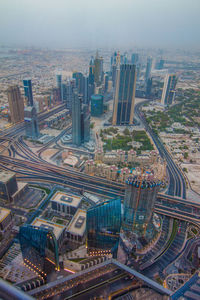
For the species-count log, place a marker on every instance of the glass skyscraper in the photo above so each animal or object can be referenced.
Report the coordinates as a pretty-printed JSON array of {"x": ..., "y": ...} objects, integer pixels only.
[
  {"x": 96, "y": 105},
  {"x": 103, "y": 227},
  {"x": 28, "y": 91},
  {"x": 38, "y": 244},
  {"x": 139, "y": 200},
  {"x": 124, "y": 101}
]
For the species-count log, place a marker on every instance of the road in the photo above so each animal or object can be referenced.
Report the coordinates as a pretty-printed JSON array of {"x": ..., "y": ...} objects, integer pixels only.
[{"x": 177, "y": 185}]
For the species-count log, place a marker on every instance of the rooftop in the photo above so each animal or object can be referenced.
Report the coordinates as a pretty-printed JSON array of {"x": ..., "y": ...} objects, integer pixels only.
[
  {"x": 78, "y": 223},
  {"x": 56, "y": 228},
  {"x": 66, "y": 199},
  {"x": 4, "y": 212},
  {"x": 5, "y": 176}
]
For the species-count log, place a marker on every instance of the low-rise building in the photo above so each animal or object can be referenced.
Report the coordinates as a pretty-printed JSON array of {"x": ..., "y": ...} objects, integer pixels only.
[
  {"x": 10, "y": 190},
  {"x": 65, "y": 204},
  {"x": 5, "y": 219},
  {"x": 57, "y": 229},
  {"x": 76, "y": 228}
]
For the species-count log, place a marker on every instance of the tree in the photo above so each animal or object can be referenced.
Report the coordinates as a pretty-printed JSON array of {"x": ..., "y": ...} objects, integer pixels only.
[
  {"x": 185, "y": 155},
  {"x": 126, "y": 131}
]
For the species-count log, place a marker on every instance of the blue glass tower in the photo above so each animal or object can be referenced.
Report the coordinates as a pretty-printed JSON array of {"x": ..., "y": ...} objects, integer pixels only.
[
  {"x": 38, "y": 244},
  {"x": 103, "y": 227},
  {"x": 28, "y": 91},
  {"x": 139, "y": 200},
  {"x": 96, "y": 105}
]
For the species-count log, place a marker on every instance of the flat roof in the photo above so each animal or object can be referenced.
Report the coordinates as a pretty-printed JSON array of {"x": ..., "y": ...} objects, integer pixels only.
[
  {"x": 57, "y": 228},
  {"x": 5, "y": 176},
  {"x": 66, "y": 199},
  {"x": 78, "y": 223},
  {"x": 4, "y": 212}
]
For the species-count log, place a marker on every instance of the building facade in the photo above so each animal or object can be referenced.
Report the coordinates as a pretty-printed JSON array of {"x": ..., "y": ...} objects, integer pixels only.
[
  {"x": 76, "y": 120},
  {"x": 31, "y": 122},
  {"x": 28, "y": 91},
  {"x": 124, "y": 100},
  {"x": 103, "y": 225},
  {"x": 139, "y": 200},
  {"x": 169, "y": 88},
  {"x": 148, "y": 68},
  {"x": 8, "y": 185},
  {"x": 16, "y": 104},
  {"x": 96, "y": 105},
  {"x": 38, "y": 245}
]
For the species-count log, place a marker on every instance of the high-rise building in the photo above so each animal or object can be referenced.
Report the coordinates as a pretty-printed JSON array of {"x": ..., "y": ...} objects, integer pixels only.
[
  {"x": 98, "y": 69},
  {"x": 76, "y": 119},
  {"x": 85, "y": 123},
  {"x": 8, "y": 185},
  {"x": 31, "y": 122},
  {"x": 80, "y": 120},
  {"x": 169, "y": 88},
  {"x": 96, "y": 105},
  {"x": 148, "y": 68},
  {"x": 81, "y": 85},
  {"x": 59, "y": 86},
  {"x": 139, "y": 200},
  {"x": 149, "y": 87},
  {"x": 16, "y": 104},
  {"x": 115, "y": 62},
  {"x": 28, "y": 91},
  {"x": 124, "y": 100},
  {"x": 103, "y": 225},
  {"x": 39, "y": 245},
  {"x": 106, "y": 79},
  {"x": 160, "y": 64},
  {"x": 134, "y": 58}
]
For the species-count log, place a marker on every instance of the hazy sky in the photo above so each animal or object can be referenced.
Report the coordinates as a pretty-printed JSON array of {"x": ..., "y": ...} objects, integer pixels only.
[{"x": 94, "y": 23}]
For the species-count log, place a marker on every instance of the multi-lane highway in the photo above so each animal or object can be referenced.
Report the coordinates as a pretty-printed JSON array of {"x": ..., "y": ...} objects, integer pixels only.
[{"x": 177, "y": 185}]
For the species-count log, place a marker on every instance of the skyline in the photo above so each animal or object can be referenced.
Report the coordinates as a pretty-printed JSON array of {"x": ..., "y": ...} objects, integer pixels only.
[{"x": 69, "y": 24}]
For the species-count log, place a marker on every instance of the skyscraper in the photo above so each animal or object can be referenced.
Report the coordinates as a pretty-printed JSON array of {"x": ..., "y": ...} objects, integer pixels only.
[
  {"x": 28, "y": 91},
  {"x": 59, "y": 86},
  {"x": 124, "y": 100},
  {"x": 134, "y": 58},
  {"x": 169, "y": 87},
  {"x": 76, "y": 119},
  {"x": 98, "y": 69},
  {"x": 16, "y": 104},
  {"x": 81, "y": 85},
  {"x": 96, "y": 105},
  {"x": 139, "y": 200},
  {"x": 31, "y": 122},
  {"x": 148, "y": 69},
  {"x": 37, "y": 245},
  {"x": 85, "y": 123},
  {"x": 149, "y": 87},
  {"x": 103, "y": 225}
]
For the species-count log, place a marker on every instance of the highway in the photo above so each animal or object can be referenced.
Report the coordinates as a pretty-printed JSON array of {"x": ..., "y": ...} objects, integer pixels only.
[{"x": 177, "y": 185}]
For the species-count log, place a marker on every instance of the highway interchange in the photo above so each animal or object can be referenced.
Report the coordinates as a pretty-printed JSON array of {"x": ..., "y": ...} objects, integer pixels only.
[{"x": 30, "y": 167}]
